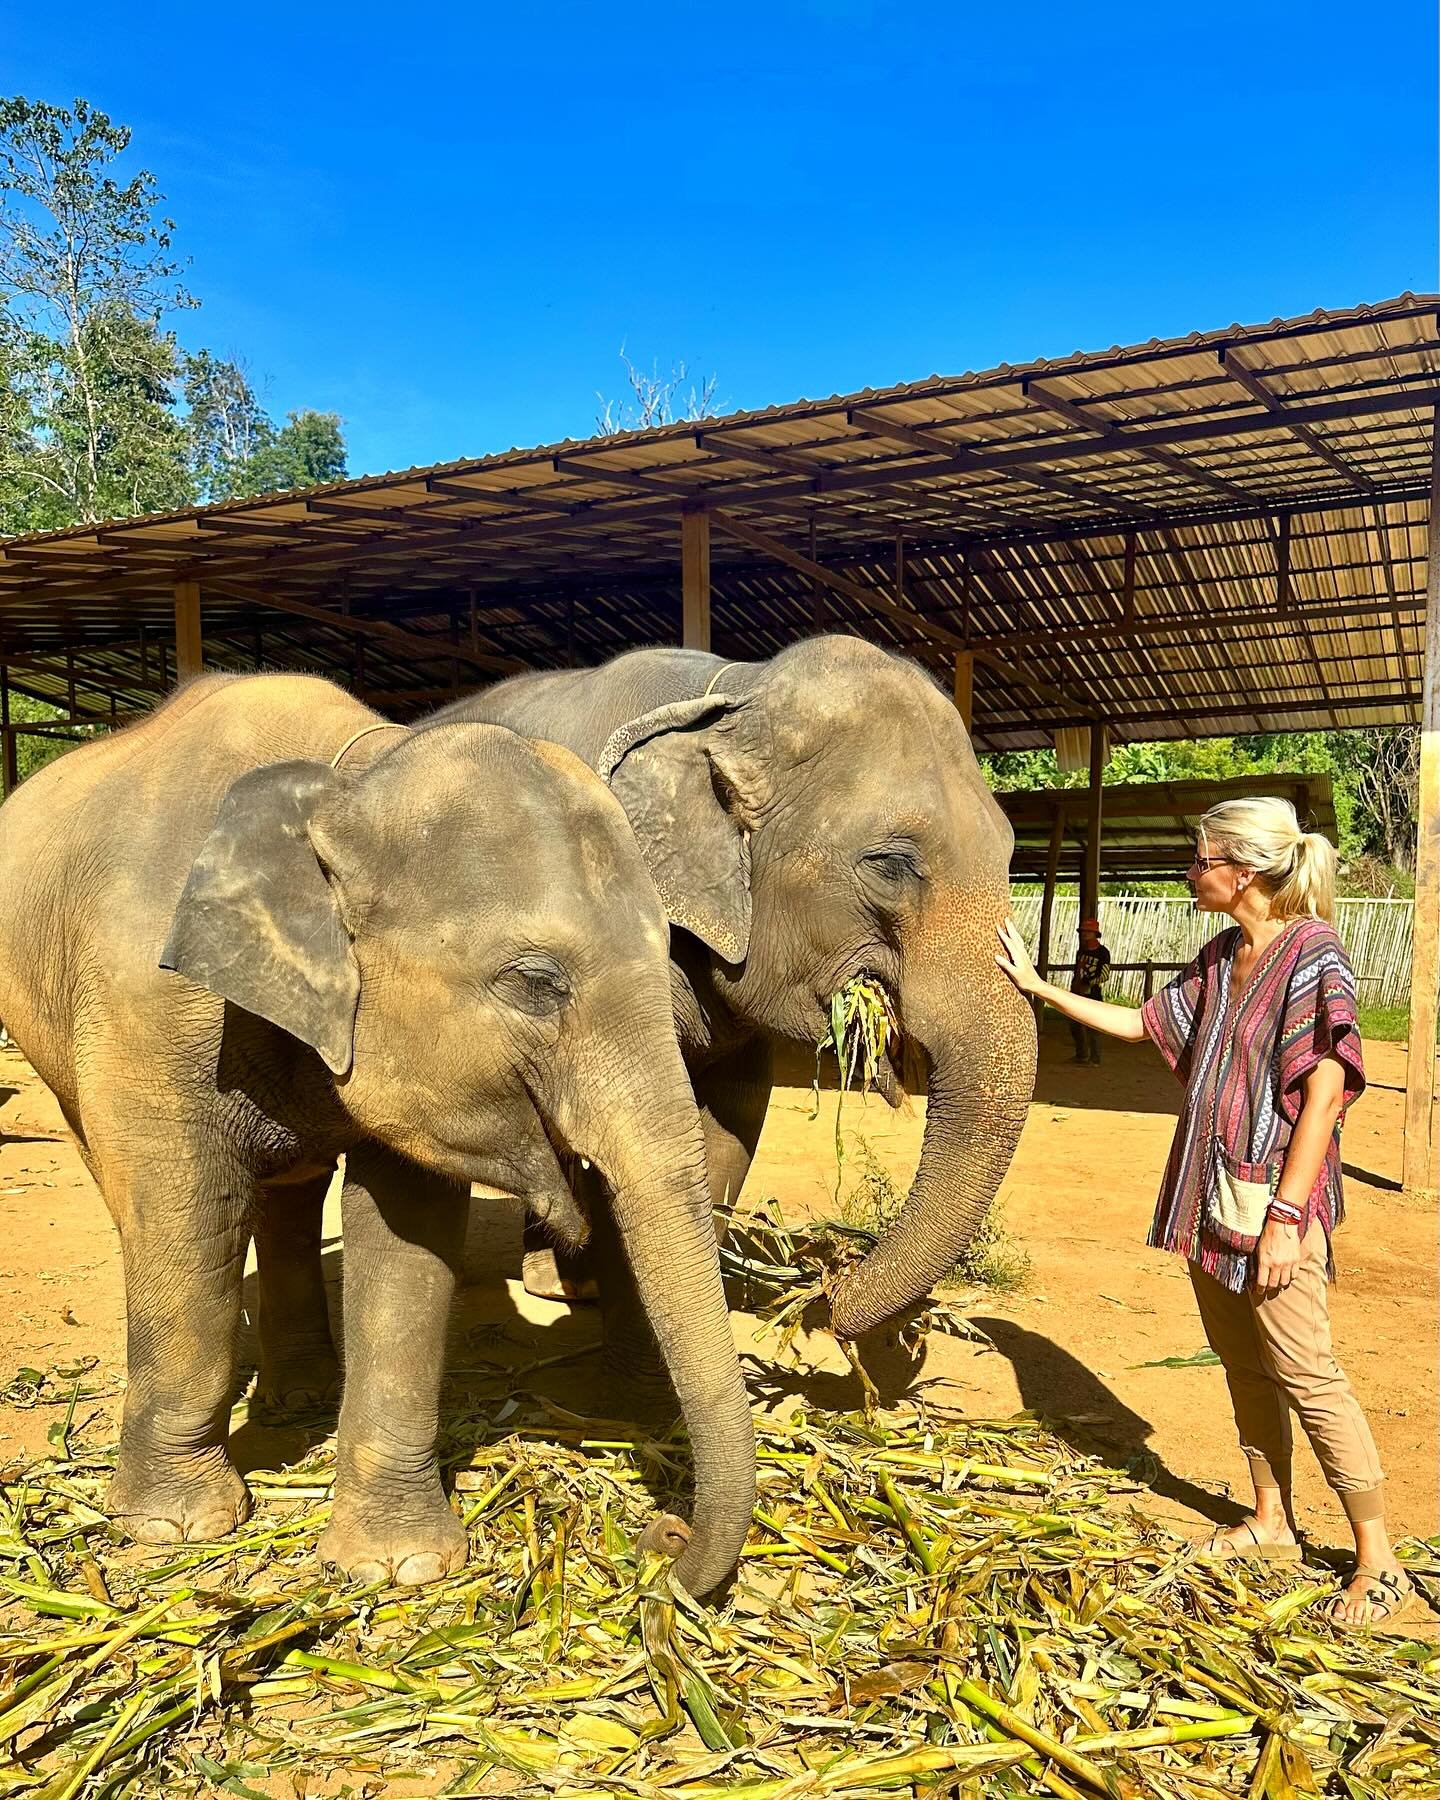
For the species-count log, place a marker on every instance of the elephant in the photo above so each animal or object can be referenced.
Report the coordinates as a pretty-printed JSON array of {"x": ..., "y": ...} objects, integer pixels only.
[
  {"x": 261, "y": 929},
  {"x": 809, "y": 819}
]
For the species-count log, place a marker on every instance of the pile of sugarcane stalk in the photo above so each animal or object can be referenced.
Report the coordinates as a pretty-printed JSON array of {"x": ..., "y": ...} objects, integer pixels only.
[{"x": 923, "y": 1605}]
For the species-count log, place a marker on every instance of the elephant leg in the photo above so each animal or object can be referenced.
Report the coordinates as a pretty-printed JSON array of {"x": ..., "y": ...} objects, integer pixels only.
[
  {"x": 404, "y": 1232},
  {"x": 733, "y": 1095},
  {"x": 299, "y": 1370},
  {"x": 184, "y": 1220}
]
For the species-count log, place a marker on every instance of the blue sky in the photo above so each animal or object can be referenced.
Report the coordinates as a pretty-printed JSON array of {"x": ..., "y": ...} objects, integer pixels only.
[{"x": 442, "y": 222}]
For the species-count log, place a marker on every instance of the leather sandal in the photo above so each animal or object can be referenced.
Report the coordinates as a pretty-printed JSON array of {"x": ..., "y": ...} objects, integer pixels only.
[
  {"x": 1219, "y": 1547},
  {"x": 1397, "y": 1595}
]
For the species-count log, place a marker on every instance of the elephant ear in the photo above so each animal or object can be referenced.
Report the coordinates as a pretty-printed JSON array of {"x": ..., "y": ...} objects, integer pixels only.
[
  {"x": 682, "y": 806},
  {"x": 258, "y": 922}
]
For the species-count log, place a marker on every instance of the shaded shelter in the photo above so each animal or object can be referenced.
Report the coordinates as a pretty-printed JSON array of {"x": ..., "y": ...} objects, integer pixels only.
[{"x": 1225, "y": 532}]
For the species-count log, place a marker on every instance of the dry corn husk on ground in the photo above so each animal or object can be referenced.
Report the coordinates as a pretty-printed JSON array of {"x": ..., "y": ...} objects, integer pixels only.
[{"x": 924, "y": 1605}]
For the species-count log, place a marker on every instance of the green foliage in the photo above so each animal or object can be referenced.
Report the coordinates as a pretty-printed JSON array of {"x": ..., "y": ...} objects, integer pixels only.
[
  {"x": 1388, "y": 1024},
  {"x": 102, "y": 414},
  {"x": 32, "y": 753},
  {"x": 993, "y": 1259},
  {"x": 235, "y": 450},
  {"x": 872, "y": 1203},
  {"x": 309, "y": 450}
]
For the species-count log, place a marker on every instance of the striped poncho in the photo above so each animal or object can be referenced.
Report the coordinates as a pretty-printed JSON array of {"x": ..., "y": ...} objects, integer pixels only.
[{"x": 1244, "y": 1064}]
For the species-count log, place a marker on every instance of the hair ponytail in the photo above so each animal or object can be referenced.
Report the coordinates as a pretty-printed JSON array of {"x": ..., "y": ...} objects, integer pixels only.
[
  {"x": 1310, "y": 887},
  {"x": 1297, "y": 867}
]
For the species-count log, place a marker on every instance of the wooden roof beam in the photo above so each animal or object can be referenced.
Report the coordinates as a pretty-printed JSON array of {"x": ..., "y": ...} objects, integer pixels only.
[
  {"x": 1114, "y": 436},
  {"x": 413, "y": 643},
  {"x": 966, "y": 459},
  {"x": 634, "y": 479},
  {"x": 1249, "y": 380},
  {"x": 868, "y": 597},
  {"x": 1303, "y": 705},
  {"x": 507, "y": 498}
]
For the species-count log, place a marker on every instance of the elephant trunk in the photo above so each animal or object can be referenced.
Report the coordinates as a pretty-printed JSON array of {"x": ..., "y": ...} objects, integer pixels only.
[
  {"x": 660, "y": 1198},
  {"x": 981, "y": 1080}
]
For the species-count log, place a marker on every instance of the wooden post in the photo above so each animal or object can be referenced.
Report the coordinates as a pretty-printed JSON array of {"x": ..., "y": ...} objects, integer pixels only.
[
  {"x": 10, "y": 763},
  {"x": 817, "y": 587},
  {"x": 1090, "y": 885},
  {"x": 1419, "y": 1171},
  {"x": 965, "y": 687},
  {"x": 189, "y": 656},
  {"x": 695, "y": 579},
  {"x": 1127, "y": 594},
  {"x": 1047, "y": 897}
]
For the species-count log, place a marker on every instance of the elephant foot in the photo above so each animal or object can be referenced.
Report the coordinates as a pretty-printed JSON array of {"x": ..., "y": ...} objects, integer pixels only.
[
  {"x": 303, "y": 1385},
  {"x": 544, "y": 1277},
  {"x": 191, "y": 1502},
  {"x": 374, "y": 1542}
]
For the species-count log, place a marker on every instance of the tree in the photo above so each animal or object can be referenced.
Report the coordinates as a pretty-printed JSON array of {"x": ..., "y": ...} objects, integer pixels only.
[
  {"x": 235, "y": 450},
  {"x": 227, "y": 426},
  {"x": 310, "y": 450},
  {"x": 656, "y": 399},
  {"x": 90, "y": 381},
  {"x": 86, "y": 273}
]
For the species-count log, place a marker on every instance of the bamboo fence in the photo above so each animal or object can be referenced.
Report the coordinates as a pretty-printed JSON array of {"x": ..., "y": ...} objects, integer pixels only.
[{"x": 1161, "y": 931}]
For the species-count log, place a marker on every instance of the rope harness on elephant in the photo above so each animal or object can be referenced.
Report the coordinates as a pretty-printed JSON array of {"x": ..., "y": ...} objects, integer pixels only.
[{"x": 355, "y": 737}]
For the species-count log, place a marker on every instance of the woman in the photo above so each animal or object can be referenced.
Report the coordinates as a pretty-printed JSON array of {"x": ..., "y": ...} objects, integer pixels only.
[{"x": 1261, "y": 1029}]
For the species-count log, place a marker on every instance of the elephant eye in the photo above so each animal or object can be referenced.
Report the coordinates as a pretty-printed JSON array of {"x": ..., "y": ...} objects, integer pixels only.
[
  {"x": 534, "y": 985},
  {"x": 894, "y": 863}
]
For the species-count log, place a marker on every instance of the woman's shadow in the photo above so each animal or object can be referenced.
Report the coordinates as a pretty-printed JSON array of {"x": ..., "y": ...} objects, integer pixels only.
[{"x": 1079, "y": 1408}]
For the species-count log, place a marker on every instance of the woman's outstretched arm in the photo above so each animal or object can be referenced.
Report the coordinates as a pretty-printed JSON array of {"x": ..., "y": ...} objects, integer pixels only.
[{"x": 1115, "y": 1021}]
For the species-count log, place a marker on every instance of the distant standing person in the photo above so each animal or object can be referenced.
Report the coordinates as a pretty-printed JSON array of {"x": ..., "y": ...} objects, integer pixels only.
[
  {"x": 1092, "y": 965},
  {"x": 1262, "y": 1030}
]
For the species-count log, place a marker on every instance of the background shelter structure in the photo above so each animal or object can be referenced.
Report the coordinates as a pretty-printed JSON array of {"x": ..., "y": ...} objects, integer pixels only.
[
  {"x": 1232, "y": 531},
  {"x": 1146, "y": 833}
]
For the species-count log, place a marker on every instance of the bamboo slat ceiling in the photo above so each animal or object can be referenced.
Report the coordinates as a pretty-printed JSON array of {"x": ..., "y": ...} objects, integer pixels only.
[{"x": 1219, "y": 533}]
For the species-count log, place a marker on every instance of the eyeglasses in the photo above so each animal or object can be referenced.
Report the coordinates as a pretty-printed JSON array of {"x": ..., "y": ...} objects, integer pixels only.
[{"x": 1205, "y": 863}]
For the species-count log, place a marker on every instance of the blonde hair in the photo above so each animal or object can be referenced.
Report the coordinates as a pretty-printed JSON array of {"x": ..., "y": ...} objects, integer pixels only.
[{"x": 1297, "y": 867}]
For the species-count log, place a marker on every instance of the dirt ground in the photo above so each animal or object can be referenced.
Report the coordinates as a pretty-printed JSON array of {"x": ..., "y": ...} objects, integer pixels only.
[{"x": 1070, "y": 1345}]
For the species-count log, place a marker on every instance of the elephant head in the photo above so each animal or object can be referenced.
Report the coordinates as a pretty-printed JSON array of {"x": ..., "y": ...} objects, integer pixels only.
[
  {"x": 466, "y": 934},
  {"x": 820, "y": 817}
]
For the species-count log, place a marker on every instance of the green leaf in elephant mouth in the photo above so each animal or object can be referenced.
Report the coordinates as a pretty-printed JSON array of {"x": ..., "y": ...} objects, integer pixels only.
[{"x": 863, "y": 1029}]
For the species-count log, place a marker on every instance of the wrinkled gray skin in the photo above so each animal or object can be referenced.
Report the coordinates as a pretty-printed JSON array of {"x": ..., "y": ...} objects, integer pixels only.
[
  {"x": 445, "y": 960},
  {"x": 807, "y": 819}
]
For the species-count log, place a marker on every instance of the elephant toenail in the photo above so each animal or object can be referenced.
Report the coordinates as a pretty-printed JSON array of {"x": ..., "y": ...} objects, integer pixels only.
[
  {"x": 369, "y": 1572},
  {"x": 425, "y": 1565},
  {"x": 157, "y": 1531}
]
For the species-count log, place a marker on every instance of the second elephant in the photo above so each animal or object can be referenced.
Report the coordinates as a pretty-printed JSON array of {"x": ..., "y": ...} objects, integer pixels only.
[{"x": 807, "y": 820}]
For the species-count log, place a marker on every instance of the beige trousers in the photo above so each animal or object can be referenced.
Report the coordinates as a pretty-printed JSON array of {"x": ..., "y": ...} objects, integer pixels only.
[{"x": 1277, "y": 1355}]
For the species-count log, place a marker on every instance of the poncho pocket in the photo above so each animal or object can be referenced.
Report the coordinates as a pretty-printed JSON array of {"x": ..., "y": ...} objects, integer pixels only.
[{"x": 1240, "y": 1199}]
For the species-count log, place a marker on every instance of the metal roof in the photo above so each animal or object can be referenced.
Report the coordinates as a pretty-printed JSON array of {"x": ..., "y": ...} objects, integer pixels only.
[
  {"x": 1147, "y": 828},
  {"x": 1216, "y": 533}
]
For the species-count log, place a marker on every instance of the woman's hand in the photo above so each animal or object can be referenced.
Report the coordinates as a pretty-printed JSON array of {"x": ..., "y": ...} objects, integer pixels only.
[
  {"x": 1277, "y": 1257},
  {"x": 1015, "y": 959}
]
